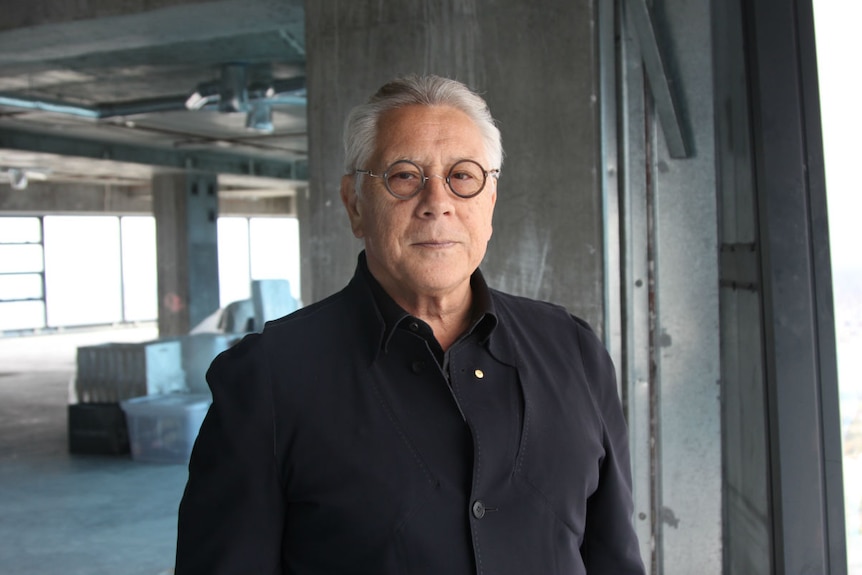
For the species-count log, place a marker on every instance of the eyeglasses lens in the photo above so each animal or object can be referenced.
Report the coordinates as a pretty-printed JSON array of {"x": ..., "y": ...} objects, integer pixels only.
[
  {"x": 466, "y": 178},
  {"x": 404, "y": 179}
]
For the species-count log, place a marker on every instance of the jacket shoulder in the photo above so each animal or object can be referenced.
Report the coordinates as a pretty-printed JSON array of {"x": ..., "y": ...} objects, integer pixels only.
[
  {"x": 334, "y": 305},
  {"x": 534, "y": 312},
  {"x": 555, "y": 331}
]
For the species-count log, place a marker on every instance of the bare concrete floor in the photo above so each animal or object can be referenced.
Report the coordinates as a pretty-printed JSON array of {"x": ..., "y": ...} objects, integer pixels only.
[{"x": 71, "y": 514}]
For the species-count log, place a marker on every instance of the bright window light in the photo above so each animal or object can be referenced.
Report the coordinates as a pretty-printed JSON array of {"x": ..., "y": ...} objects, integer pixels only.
[
  {"x": 20, "y": 230},
  {"x": 82, "y": 270},
  {"x": 140, "y": 282},
  {"x": 20, "y": 258},
  {"x": 233, "y": 260},
  {"x": 275, "y": 250},
  {"x": 22, "y": 315},
  {"x": 20, "y": 286}
]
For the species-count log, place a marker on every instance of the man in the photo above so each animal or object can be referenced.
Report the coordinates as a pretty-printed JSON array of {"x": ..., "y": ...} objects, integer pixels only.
[{"x": 417, "y": 422}]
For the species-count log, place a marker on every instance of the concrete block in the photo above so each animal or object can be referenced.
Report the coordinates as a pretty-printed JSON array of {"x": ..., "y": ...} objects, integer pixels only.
[{"x": 198, "y": 351}]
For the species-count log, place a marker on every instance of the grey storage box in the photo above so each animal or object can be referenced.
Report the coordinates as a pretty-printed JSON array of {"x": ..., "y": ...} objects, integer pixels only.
[
  {"x": 163, "y": 428},
  {"x": 113, "y": 372}
]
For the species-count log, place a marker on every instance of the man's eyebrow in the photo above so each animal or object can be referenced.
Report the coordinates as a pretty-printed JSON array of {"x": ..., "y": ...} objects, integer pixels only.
[{"x": 448, "y": 163}]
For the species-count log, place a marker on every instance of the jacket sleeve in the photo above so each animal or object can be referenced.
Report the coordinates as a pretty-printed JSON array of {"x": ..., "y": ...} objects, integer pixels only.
[
  {"x": 610, "y": 545},
  {"x": 231, "y": 514}
]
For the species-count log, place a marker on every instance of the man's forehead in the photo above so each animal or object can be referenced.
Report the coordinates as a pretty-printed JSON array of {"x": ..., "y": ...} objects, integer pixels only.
[
  {"x": 430, "y": 134},
  {"x": 427, "y": 113}
]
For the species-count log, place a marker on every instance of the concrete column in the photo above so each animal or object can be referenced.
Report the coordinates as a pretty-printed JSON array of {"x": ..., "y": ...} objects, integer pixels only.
[
  {"x": 186, "y": 209},
  {"x": 535, "y": 63}
]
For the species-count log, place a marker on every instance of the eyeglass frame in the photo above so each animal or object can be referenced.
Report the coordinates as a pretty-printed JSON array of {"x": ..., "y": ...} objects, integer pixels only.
[{"x": 494, "y": 173}]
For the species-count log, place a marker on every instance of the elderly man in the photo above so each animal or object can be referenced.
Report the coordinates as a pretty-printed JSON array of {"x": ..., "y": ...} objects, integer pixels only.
[{"x": 417, "y": 422}]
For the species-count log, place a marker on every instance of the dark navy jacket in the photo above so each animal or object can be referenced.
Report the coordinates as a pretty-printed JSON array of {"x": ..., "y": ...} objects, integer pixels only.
[{"x": 327, "y": 452}]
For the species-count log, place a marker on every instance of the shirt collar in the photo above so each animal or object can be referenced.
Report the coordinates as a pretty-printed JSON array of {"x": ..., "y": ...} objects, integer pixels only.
[{"x": 483, "y": 316}]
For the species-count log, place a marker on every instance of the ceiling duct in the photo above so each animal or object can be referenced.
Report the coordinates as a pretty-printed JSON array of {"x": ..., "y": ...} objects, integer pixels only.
[
  {"x": 233, "y": 93},
  {"x": 19, "y": 178},
  {"x": 259, "y": 118},
  {"x": 240, "y": 94}
]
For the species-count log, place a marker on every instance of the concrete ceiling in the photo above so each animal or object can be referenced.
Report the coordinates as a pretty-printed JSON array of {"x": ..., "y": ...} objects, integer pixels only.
[{"x": 99, "y": 94}]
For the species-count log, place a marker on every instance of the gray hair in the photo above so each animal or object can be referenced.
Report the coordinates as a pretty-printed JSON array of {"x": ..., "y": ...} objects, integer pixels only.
[{"x": 360, "y": 129}]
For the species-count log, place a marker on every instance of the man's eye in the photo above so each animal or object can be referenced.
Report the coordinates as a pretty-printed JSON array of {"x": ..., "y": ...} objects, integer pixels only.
[
  {"x": 463, "y": 176},
  {"x": 404, "y": 176}
]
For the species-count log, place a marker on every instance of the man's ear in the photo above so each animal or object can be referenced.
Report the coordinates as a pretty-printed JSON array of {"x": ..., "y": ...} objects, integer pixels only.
[
  {"x": 350, "y": 200},
  {"x": 493, "y": 197}
]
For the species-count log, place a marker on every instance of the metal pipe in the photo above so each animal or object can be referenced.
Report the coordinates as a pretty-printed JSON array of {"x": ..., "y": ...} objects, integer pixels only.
[
  {"x": 288, "y": 91},
  {"x": 44, "y": 105},
  {"x": 143, "y": 106}
]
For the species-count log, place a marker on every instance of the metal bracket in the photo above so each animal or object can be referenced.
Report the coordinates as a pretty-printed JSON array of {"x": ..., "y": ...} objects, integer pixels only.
[
  {"x": 665, "y": 105},
  {"x": 739, "y": 267}
]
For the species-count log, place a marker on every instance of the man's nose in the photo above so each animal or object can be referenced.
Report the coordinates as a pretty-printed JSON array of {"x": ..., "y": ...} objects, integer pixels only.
[{"x": 435, "y": 196}]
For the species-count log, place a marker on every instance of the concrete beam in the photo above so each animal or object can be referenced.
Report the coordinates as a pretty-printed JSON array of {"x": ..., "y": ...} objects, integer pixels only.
[
  {"x": 280, "y": 206},
  {"x": 25, "y": 14},
  {"x": 196, "y": 160},
  {"x": 47, "y": 30},
  {"x": 42, "y": 198}
]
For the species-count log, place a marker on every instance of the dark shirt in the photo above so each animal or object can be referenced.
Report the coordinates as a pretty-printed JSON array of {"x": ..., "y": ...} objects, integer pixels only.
[{"x": 335, "y": 444}]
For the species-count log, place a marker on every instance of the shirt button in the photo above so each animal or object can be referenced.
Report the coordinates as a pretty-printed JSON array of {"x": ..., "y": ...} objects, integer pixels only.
[
  {"x": 478, "y": 509},
  {"x": 414, "y": 326}
]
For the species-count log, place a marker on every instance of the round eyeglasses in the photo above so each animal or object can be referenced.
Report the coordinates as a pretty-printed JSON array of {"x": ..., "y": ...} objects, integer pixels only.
[{"x": 405, "y": 179}]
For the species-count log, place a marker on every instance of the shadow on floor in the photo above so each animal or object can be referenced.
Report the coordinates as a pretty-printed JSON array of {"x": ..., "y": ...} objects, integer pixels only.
[{"x": 73, "y": 514}]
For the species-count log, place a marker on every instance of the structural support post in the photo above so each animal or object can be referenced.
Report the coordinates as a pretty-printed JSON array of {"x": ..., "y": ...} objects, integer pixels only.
[
  {"x": 548, "y": 239},
  {"x": 186, "y": 209},
  {"x": 801, "y": 373}
]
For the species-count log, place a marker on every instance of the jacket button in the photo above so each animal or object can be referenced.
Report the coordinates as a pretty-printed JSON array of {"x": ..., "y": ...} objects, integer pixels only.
[
  {"x": 417, "y": 366},
  {"x": 478, "y": 509}
]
